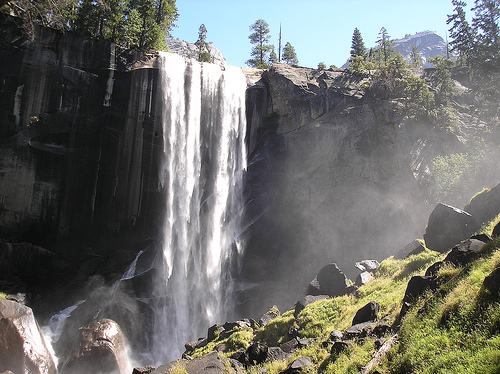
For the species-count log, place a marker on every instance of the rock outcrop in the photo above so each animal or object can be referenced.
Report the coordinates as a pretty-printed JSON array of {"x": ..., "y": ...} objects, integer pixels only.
[{"x": 22, "y": 346}]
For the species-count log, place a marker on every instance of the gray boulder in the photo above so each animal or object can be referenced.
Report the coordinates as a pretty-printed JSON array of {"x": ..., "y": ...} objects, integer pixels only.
[
  {"x": 465, "y": 252},
  {"x": 367, "y": 265},
  {"x": 298, "y": 366},
  {"x": 363, "y": 278},
  {"x": 22, "y": 345},
  {"x": 492, "y": 282},
  {"x": 448, "y": 226},
  {"x": 206, "y": 364}
]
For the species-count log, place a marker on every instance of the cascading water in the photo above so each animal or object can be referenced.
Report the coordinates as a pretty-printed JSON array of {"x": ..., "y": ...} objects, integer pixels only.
[{"x": 203, "y": 131}]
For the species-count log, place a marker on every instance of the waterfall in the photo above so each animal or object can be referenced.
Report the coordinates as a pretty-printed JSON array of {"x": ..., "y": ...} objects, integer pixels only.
[{"x": 203, "y": 118}]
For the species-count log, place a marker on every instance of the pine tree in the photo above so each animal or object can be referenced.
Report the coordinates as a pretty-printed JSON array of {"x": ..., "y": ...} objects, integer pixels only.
[
  {"x": 272, "y": 56},
  {"x": 461, "y": 33},
  {"x": 415, "y": 57},
  {"x": 358, "y": 46},
  {"x": 201, "y": 44},
  {"x": 385, "y": 49},
  {"x": 260, "y": 38},
  {"x": 289, "y": 55}
]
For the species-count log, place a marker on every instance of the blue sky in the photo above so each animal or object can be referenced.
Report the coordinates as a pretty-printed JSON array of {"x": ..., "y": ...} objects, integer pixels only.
[{"x": 319, "y": 30}]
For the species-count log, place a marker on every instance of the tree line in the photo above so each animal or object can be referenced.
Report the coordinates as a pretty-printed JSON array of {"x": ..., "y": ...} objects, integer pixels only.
[
  {"x": 263, "y": 54},
  {"x": 142, "y": 24}
]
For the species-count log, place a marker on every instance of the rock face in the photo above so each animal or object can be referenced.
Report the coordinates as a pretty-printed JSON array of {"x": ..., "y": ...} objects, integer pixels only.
[
  {"x": 328, "y": 179},
  {"x": 79, "y": 149},
  {"x": 22, "y": 346},
  {"x": 100, "y": 347},
  {"x": 190, "y": 50}
]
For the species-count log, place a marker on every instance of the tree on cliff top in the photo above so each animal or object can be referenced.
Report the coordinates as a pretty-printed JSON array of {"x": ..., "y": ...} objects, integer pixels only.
[
  {"x": 358, "y": 46},
  {"x": 289, "y": 55},
  {"x": 202, "y": 45},
  {"x": 260, "y": 38}
]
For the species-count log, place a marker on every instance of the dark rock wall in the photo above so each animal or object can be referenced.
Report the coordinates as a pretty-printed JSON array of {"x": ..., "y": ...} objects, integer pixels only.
[
  {"x": 79, "y": 146},
  {"x": 328, "y": 181}
]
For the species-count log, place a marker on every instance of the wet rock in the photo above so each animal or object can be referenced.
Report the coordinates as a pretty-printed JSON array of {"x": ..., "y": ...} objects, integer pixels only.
[
  {"x": 363, "y": 278},
  {"x": 237, "y": 324},
  {"x": 213, "y": 331},
  {"x": 206, "y": 364},
  {"x": 22, "y": 346},
  {"x": 329, "y": 281},
  {"x": 143, "y": 370},
  {"x": 367, "y": 313},
  {"x": 308, "y": 299},
  {"x": 410, "y": 249},
  {"x": 448, "y": 226},
  {"x": 100, "y": 347},
  {"x": 290, "y": 345},
  {"x": 191, "y": 346},
  {"x": 485, "y": 206},
  {"x": 298, "y": 366},
  {"x": 367, "y": 265},
  {"x": 257, "y": 353},
  {"x": 269, "y": 316},
  {"x": 485, "y": 238}
]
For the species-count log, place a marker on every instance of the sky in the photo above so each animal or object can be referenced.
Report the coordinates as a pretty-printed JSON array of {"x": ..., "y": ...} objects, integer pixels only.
[{"x": 319, "y": 30}]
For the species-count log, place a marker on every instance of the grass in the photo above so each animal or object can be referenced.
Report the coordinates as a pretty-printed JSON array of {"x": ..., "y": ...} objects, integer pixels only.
[{"x": 458, "y": 331}]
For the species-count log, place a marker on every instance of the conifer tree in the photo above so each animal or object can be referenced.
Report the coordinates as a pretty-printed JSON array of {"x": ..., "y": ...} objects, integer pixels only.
[
  {"x": 415, "y": 57},
  {"x": 385, "y": 49},
  {"x": 461, "y": 32},
  {"x": 272, "y": 56},
  {"x": 358, "y": 46},
  {"x": 202, "y": 45},
  {"x": 260, "y": 38},
  {"x": 289, "y": 55}
]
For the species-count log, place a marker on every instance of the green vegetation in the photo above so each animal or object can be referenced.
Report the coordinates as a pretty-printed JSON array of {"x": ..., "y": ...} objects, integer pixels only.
[
  {"x": 358, "y": 46},
  {"x": 142, "y": 24},
  {"x": 321, "y": 66},
  {"x": 454, "y": 330},
  {"x": 260, "y": 39},
  {"x": 202, "y": 45},
  {"x": 289, "y": 56}
]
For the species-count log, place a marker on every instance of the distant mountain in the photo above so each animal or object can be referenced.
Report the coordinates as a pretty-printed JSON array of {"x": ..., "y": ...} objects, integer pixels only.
[{"x": 429, "y": 43}]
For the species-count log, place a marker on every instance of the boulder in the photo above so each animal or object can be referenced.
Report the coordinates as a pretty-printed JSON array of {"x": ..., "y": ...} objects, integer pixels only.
[
  {"x": 22, "y": 346},
  {"x": 492, "y": 282},
  {"x": 465, "y": 252},
  {"x": 434, "y": 269},
  {"x": 213, "y": 331},
  {"x": 410, "y": 249},
  {"x": 448, "y": 226},
  {"x": 269, "y": 316},
  {"x": 305, "y": 301},
  {"x": 210, "y": 363},
  {"x": 485, "y": 205},
  {"x": 330, "y": 281},
  {"x": 340, "y": 346},
  {"x": 298, "y": 366},
  {"x": 336, "y": 335},
  {"x": 367, "y": 265},
  {"x": 359, "y": 330},
  {"x": 99, "y": 348},
  {"x": 277, "y": 354},
  {"x": 143, "y": 370},
  {"x": 367, "y": 313},
  {"x": 191, "y": 346},
  {"x": 363, "y": 278},
  {"x": 418, "y": 285},
  {"x": 485, "y": 238},
  {"x": 257, "y": 353},
  {"x": 496, "y": 231}
]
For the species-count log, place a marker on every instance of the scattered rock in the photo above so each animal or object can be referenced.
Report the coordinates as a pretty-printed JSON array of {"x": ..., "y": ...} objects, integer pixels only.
[
  {"x": 191, "y": 346},
  {"x": 22, "y": 346},
  {"x": 485, "y": 238},
  {"x": 143, "y": 370},
  {"x": 367, "y": 313},
  {"x": 100, "y": 348},
  {"x": 336, "y": 335},
  {"x": 448, "y": 226},
  {"x": 213, "y": 331},
  {"x": 359, "y": 331},
  {"x": 434, "y": 269},
  {"x": 277, "y": 354},
  {"x": 290, "y": 345},
  {"x": 465, "y": 252},
  {"x": 237, "y": 324},
  {"x": 410, "y": 249},
  {"x": 381, "y": 330},
  {"x": 367, "y": 265},
  {"x": 206, "y": 364},
  {"x": 269, "y": 316},
  {"x": 492, "y": 282},
  {"x": 308, "y": 299},
  {"x": 340, "y": 346},
  {"x": 496, "y": 231},
  {"x": 417, "y": 286},
  {"x": 363, "y": 278},
  {"x": 257, "y": 353},
  {"x": 298, "y": 365},
  {"x": 330, "y": 281}
]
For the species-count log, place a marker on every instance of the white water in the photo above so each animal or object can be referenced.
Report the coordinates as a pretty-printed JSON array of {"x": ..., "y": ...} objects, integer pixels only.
[{"x": 203, "y": 131}]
